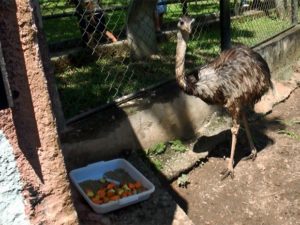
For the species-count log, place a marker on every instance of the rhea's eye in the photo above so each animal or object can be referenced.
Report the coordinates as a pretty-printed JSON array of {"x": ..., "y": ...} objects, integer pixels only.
[{"x": 181, "y": 23}]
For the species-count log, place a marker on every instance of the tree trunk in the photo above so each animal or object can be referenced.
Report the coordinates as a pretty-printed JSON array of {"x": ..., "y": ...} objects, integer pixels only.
[
  {"x": 283, "y": 8},
  {"x": 140, "y": 28}
]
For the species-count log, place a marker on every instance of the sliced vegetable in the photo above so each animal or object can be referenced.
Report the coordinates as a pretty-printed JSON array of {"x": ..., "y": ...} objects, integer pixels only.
[
  {"x": 104, "y": 190},
  {"x": 110, "y": 192},
  {"x": 111, "y": 186},
  {"x": 89, "y": 193},
  {"x": 114, "y": 198},
  {"x": 131, "y": 185},
  {"x": 101, "y": 193},
  {"x": 138, "y": 185}
]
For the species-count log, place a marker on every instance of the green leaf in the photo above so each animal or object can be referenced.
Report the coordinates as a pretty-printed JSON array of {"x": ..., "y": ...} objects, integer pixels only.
[
  {"x": 183, "y": 180},
  {"x": 178, "y": 146},
  {"x": 157, "y": 149}
]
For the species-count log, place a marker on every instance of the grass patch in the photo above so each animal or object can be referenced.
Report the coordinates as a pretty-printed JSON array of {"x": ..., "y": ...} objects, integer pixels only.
[
  {"x": 157, "y": 149},
  {"x": 252, "y": 31},
  {"x": 61, "y": 29},
  {"x": 291, "y": 122},
  {"x": 157, "y": 164},
  {"x": 99, "y": 82},
  {"x": 290, "y": 134},
  {"x": 178, "y": 146}
]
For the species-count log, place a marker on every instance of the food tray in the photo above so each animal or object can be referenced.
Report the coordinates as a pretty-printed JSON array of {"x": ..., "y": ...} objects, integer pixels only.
[{"x": 96, "y": 171}]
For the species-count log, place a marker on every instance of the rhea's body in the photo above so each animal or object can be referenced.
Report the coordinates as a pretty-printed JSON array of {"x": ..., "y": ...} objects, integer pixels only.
[{"x": 236, "y": 79}]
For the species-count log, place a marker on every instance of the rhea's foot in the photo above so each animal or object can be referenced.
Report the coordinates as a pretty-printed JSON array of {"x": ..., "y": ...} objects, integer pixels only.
[
  {"x": 228, "y": 172},
  {"x": 252, "y": 155}
]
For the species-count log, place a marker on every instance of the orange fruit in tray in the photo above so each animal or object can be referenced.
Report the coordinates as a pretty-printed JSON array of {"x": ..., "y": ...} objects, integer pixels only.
[
  {"x": 114, "y": 198},
  {"x": 138, "y": 185},
  {"x": 106, "y": 199},
  {"x": 111, "y": 186},
  {"x": 131, "y": 185},
  {"x": 97, "y": 201},
  {"x": 110, "y": 193},
  {"x": 101, "y": 192}
]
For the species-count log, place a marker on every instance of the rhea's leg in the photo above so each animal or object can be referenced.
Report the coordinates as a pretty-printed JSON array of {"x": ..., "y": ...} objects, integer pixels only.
[
  {"x": 229, "y": 170},
  {"x": 249, "y": 136}
]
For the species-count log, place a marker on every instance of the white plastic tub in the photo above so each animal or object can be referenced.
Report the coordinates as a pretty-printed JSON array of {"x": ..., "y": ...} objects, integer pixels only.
[{"x": 96, "y": 171}]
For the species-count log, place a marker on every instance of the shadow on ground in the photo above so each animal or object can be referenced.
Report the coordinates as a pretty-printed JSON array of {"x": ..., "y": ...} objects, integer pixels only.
[{"x": 219, "y": 145}]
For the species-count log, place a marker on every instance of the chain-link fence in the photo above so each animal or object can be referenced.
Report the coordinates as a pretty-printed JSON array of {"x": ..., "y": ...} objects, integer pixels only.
[{"x": 123, "y": 46}]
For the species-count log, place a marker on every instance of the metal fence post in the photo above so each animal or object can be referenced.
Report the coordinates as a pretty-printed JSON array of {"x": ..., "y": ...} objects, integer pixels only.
[
  {"x": 184, "y": 7},
  {"x": 225, "y": 24},
  {"x": 294, "y": 12},
  {"x": 6, "y": 99}
]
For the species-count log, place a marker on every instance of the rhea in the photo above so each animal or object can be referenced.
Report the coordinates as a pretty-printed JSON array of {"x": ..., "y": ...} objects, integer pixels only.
[{"x": 236, "y": 79}]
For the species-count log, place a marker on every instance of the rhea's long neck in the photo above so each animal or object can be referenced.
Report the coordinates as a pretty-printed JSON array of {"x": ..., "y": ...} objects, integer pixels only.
[{"x": 180, "y": 59}]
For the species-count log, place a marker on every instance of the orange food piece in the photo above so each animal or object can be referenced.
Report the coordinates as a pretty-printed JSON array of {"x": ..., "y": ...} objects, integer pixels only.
[
  {"x": 106, "y": 199},
  {"x": 126, "y": 194},
  {"x": 101, "y": 192},
  {"x": 138, "y": 185},
  {"x": 110, "y": 193},
  {"x": 131, "y": 185},
  {"x": 96, "y": 200},
  {"x": 114, "y": 198},
  {"x": 111, "y": 186}
]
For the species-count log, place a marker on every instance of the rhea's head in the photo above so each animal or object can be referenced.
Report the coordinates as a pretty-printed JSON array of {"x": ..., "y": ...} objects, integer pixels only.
[{"x": 185, "y": 24}]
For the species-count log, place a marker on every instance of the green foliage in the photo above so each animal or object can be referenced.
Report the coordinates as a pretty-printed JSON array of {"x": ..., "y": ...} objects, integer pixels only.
[
  {"x": 157, "y": 149},
  {"x": 178, "y": 146},
  {"x": 183, "y": 180},
  {"x": 290, "y": 134},
  {"x": 61, "y": 29},
  {"x": 289, "y": 122},
  {"x": 158, "y": 164}
]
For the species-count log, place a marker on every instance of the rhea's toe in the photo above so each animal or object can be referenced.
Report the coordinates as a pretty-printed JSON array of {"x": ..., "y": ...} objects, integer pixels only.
[
  {"x": 252, "y": 155},
  {"x": 226, "y": 173}
]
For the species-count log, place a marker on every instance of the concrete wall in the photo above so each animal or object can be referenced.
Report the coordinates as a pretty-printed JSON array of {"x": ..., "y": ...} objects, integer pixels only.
[
  {"x": 160, "y": 115},
  {"x": 163, "y": 114},
  {"x": 281, "y": 52}
]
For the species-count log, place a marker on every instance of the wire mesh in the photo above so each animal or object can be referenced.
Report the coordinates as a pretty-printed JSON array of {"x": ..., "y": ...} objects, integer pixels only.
[
  {"x": 258, "y": 21},
  {"x": 124, "y": 46}
]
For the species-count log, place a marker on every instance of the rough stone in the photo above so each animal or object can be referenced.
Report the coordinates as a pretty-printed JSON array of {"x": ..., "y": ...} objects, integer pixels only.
[{"x": 12, "y": 210}]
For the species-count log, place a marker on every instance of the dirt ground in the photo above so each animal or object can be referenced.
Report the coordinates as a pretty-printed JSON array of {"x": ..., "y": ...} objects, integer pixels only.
[{"x": 265, "y": 191}]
